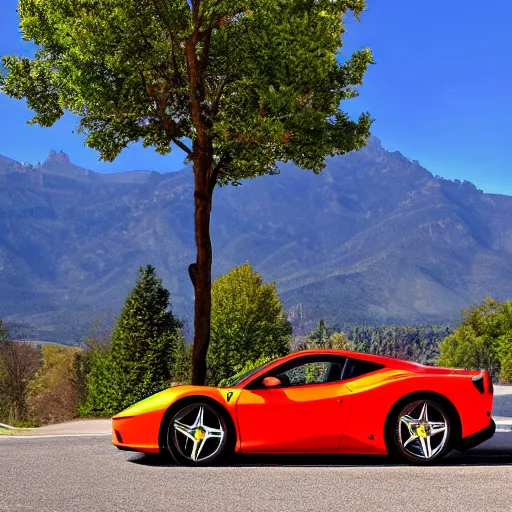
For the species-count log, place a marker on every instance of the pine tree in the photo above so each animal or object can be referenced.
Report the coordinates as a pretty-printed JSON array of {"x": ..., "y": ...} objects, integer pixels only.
[
  {"x": 142, "y": 356},
  {"x": 144, "y": 340}
]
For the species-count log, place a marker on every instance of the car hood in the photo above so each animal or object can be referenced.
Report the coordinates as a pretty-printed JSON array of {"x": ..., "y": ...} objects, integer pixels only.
[{"x": 161, "y": 400}]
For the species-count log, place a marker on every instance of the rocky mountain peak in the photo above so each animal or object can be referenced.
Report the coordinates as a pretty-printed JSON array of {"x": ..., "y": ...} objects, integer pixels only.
[
  {"x": 58, "y": 158},
  {"x": 374, "y": 145}
]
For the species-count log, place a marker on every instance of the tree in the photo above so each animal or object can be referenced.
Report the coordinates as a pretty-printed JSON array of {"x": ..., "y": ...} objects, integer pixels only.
[
  {"x": 18, "y": 365},
  {"x": 140, "y": 359},
  {"x": 339, "y": 341},
  {"x": 414, "y": 343},
  {"x": 248, "y": 82},
  {"x": 144, "y": 340},
  {"x": 319, "y": 336},
  {"x": 103, "y": 393},
  {"x": 182, "y": 369},
  {"x": 53, "y": 393},
  {"x": 482, "y": 340},
  {"x": 248, "y": 323},
  {"x": 95, "y": 346},
  {"x": 247, "y": 367},
  {"x": 323, "y": 336}
]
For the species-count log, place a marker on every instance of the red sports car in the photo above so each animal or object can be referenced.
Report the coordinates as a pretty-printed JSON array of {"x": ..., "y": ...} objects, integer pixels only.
[{"x": 317, "y": 401}]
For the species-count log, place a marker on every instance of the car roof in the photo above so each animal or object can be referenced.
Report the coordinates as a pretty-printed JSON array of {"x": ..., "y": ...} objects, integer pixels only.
[{"x": 388, "y": 362}]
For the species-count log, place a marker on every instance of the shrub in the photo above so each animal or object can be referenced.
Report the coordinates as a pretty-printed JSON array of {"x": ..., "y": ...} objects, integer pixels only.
[
  {"x": 482, "y": 340},
  {"x": 53, "y": 394},
  {"x": 18, "y": 365},
  {"x": 248, "y": 323}
]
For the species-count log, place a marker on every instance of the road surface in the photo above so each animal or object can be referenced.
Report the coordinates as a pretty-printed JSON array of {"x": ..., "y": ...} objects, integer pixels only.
[{"x": 87, "y": 474}]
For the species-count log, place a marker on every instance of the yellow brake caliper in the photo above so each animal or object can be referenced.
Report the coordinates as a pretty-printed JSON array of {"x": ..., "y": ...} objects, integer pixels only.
[
  {"x": 420, "y": 431},
  {"x": 199, "y": 434}
]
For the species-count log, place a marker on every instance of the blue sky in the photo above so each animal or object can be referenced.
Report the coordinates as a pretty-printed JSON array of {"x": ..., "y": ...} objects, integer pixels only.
[{"x": 440, "y": 92}]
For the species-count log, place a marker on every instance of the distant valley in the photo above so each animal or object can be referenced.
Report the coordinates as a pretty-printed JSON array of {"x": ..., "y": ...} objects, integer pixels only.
[{"x": 374, "y": 239}]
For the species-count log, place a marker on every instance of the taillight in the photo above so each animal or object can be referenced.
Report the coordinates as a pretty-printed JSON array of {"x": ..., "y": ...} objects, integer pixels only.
[
  {"x": 478, "y": 381},
  {"x": 488, "y": 384}
]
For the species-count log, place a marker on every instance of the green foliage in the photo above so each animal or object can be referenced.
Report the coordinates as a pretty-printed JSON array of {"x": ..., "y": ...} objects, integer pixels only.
[
  {"x": 52, "y": 394},
  {"x": 319, "y": 336},
  {"x": 323, "y": 336},
  {"x": 103, "y": 395},
  {"x": 339, "y": 341},
  {"x": 268, "y": 81},
  {"x": 248, "y": 323},
  {"x": 182, "y": 369},
  {"x": 141, "y": 358},
  {"x": 413, "y": 343},
  {"x": 482, "y": 340},
  {"x": 243, "y": 369},
  {"x": 249, "y": 82}
]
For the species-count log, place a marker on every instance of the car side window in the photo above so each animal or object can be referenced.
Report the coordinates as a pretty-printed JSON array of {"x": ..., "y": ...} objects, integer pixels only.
[
  {"x": 359, "y": 367},
  {"x": 317, "y": 372}
]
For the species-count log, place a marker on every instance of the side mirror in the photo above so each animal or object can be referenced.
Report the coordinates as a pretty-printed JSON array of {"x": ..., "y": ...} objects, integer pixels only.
[{"x": 271, "y": 382}]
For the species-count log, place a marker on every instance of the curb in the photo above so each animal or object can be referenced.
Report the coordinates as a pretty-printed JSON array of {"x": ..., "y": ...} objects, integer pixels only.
[{"x": 503, "y": 423}]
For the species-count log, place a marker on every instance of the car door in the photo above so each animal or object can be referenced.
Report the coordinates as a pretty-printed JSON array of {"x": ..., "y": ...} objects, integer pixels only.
[{"x": 307, "y": 413}]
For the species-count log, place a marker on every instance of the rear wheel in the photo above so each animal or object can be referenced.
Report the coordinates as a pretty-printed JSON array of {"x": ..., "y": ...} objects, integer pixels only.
[
  {"x": 422, "y": 432},
  {"x": 198, "y": 435}
]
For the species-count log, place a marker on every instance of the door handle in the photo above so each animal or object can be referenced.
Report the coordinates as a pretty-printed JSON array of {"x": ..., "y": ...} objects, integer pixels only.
[{"x": 340, "y": 400}]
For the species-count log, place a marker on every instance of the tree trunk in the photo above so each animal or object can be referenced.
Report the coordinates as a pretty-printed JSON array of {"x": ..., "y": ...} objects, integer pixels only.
[{"x": 201, "y": 271}]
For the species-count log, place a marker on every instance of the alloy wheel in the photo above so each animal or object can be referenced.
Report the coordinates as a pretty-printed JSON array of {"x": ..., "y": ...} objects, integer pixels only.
[
  {"x": 423, "y": 431},
  {"x": 197, "y": 434}
]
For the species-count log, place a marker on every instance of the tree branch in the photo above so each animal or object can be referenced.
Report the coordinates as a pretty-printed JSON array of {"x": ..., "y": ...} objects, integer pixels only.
[
  {"x": 182, "y": 146},
  {"x": 217, "y": 98},
  {"x": 215, "y": 172}
]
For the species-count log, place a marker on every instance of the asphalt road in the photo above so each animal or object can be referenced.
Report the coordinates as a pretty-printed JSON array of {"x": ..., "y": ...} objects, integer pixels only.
[
  {"x": 502, "y": 403},
  {"x": 88, "y": 474}
]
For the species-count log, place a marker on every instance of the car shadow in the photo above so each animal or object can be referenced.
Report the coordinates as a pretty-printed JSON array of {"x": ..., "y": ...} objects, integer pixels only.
[
  {"x": 496, "y": 451},
  {"x": 480, "y": 458}
]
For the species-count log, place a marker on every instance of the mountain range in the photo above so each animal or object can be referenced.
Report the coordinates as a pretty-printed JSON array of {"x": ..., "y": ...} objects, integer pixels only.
[{"x": 374, "y": 239}]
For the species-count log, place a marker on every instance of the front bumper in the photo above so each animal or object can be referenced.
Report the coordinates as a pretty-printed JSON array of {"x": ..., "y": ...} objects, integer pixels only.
[
  {"x": 477, "y": 438},
  {"x": 137, "y": 433}
]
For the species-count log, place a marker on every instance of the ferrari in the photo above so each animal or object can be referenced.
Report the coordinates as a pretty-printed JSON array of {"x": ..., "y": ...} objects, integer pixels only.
[{"x": 316, "y": 402}]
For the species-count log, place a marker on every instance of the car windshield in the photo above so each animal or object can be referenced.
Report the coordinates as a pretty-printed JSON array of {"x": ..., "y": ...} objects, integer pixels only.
[{"x": 238, "y": 378}]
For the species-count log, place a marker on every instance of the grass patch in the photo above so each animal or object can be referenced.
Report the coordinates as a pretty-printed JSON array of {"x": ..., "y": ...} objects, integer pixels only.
[{"x": 14, "y": 432}]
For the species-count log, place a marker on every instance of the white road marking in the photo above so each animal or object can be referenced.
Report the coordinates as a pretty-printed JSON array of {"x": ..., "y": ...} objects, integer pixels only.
[{"x": 53, "y": 435}]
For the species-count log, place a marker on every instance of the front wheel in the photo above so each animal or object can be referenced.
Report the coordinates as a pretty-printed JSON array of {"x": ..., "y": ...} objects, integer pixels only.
[
  {"x": 197, "y": 435},
  {"x": 422, "y": 432}
]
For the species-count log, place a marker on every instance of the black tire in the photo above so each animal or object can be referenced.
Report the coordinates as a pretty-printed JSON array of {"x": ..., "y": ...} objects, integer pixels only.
[
  {"x": 419, "y": 437},
  {"x": 209, "y": 450}
]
